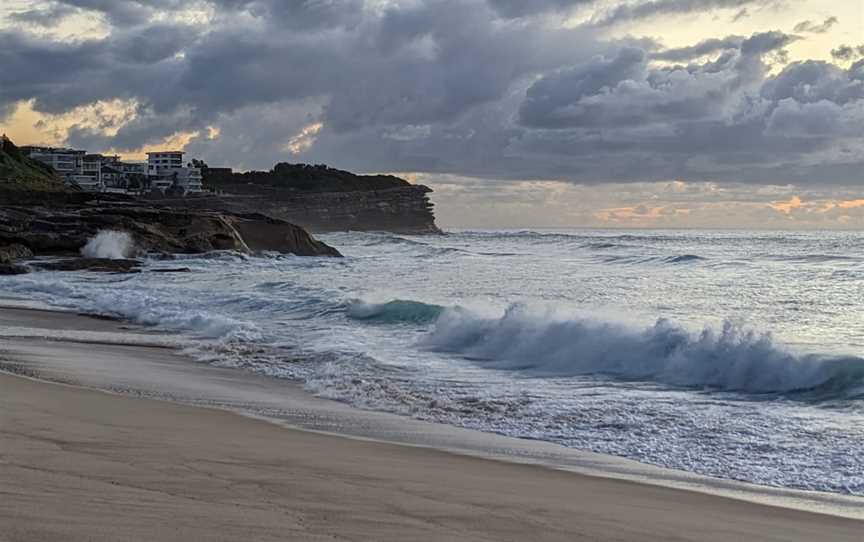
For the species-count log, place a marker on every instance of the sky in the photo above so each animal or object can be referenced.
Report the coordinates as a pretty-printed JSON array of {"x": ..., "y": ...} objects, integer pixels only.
[{"x": 543, "y": 113}]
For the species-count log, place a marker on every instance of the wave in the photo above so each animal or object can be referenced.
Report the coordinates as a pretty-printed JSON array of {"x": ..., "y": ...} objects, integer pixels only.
[
  {"x": 600, "y": 245},
  {"x": 138, "y": 305},
  {"x": 390, "y": 240},
  {"x": 683, "y": 258},
  {"x": 730, "y": 359},
  {"x": 378, "y": 239},
  {"x": 815, "y": 258},
  {"x": 635, "y": 260},
  {"x": 398, "y": 311},
  {"x": 586, "y": 237}
]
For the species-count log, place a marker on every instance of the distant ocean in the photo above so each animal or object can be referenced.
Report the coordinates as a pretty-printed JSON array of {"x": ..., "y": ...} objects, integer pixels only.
[{"x": 731, "y": 354}]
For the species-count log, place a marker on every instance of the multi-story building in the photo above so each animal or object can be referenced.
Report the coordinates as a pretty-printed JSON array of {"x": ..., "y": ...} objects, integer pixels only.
[
  {"x": 131, "y": 168},
  {"x": 97, "y": 172},
  {"x": 166, "y": 170},
  {"x": 92, "y": 165},
  {"x": 68, "y": 163}
]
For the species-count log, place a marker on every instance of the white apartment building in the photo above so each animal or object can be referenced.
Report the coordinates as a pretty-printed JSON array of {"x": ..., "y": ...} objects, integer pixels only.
[
  {"x": 166, "y": 169},
  {"x": 66, "y": 162},
  {"x": 75, "y": 166},
  {"x": 98, "y": 173}
]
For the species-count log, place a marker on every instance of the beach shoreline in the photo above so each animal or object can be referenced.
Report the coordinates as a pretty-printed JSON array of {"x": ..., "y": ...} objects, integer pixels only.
[{"x": 631, "y": 511}]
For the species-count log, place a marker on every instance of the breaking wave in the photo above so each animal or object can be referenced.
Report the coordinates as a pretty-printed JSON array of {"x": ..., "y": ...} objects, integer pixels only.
[
  {"x": 730, "y": 358},
  {"x": 394, "y": 312},
  {"x": 139, "y": 305},
  {"x": 112, "y": 244}
]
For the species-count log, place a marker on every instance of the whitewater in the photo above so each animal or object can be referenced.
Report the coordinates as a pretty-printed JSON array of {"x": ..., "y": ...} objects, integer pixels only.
[{"x": 735, "y": 355}]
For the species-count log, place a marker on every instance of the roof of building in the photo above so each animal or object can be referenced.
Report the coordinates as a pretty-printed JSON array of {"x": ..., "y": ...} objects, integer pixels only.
[{"x": 58, "y": 150}]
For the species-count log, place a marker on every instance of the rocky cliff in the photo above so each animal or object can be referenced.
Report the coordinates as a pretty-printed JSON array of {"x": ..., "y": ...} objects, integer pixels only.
[
  {"x": 61, "y": 224},
  {"x": 322, "y": 199},
  {"x": 404, "y": 209}
]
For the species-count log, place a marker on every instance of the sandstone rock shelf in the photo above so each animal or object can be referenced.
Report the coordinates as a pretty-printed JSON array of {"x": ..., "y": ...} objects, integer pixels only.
[{"x": 60, "y": 226}]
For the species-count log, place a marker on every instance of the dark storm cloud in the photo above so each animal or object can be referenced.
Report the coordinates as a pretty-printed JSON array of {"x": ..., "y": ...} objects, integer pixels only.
[
  {"x": 470, "y": 87},
  {"x": 814, "y": 81},
  {"x": 622, "y": 90},
  {"x": 309, "y": 12},
  {"x": 60, "y": 76},
  {"x": 705, "y": 47},
  {"x": 549, "y": 101},
  {"x": 520, "y": 8},
  {"x": 655, "y": 8},
  {"x": 623, "y": 12},
  {"x": 426, "y": 63}
]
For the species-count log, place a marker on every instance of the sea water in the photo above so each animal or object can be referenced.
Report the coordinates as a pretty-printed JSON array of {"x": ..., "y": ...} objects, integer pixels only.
[{"x": 729, "y": 354}]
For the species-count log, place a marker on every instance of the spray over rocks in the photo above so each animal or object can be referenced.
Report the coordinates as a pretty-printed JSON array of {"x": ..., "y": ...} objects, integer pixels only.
[{"x": 109, "y": 244}]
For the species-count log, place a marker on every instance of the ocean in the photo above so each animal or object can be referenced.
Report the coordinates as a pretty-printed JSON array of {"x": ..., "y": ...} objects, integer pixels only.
[{"x": 731, "y": 354}]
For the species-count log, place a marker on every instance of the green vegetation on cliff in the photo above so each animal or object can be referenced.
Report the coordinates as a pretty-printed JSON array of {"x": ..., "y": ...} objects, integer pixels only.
[
  {"x": 17, "y": 172},
  {"x": 299, "y": 177}
]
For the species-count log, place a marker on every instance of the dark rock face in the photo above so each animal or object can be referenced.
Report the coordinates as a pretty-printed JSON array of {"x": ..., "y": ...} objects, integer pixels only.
[
  {"x": 12, "y": 269},
  {"x": 403, "y": 209},
  {"x": 65, "y": 229},
  {"x": 170, "y": 270},
  {"x": 10, "y": 253},
  {"x": 100, "y": 265},
  {"x": 323, "y": 199},
  {"x": 400, "y": 210},
  {"x": 262, "y": 233}
]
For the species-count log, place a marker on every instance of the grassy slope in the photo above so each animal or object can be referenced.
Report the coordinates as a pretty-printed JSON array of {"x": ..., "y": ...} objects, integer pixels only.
[{"x": 17, "y": 172}]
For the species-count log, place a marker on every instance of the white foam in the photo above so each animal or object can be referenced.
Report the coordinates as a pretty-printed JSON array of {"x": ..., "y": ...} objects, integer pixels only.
[
  {"x": 731, "y": 358},
  {"x": 112, "y": 244}
]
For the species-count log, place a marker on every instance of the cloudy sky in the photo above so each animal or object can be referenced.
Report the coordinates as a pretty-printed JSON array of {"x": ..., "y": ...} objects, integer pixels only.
[{"x": 620, "y": 113}]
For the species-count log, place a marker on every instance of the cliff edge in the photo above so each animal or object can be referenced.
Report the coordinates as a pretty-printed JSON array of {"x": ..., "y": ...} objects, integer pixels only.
[{"x": 322, "y": 199}]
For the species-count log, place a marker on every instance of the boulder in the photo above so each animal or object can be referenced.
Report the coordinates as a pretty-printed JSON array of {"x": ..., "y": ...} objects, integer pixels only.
[
  {"x": 263, "y": 233},
  {"x": 13, "y": 252}
]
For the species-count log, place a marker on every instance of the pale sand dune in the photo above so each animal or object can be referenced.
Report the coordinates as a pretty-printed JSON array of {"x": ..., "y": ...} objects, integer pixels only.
[{"x": 78, "y": 464}]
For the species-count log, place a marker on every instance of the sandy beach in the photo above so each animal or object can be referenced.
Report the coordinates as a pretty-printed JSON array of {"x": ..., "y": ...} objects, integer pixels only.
[{"x": 81, "y": 464}]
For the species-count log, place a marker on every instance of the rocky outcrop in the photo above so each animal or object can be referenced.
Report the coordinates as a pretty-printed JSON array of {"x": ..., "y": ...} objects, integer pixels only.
[
  {"x": 13, "y": 269},
  {"x": 403, "y": 209},
  {"x": 99, "y": 265},
  {"x": 10, "y": 253},
  {"x": 263, "y": 233},
  {"x": 59, "y": 228}
]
